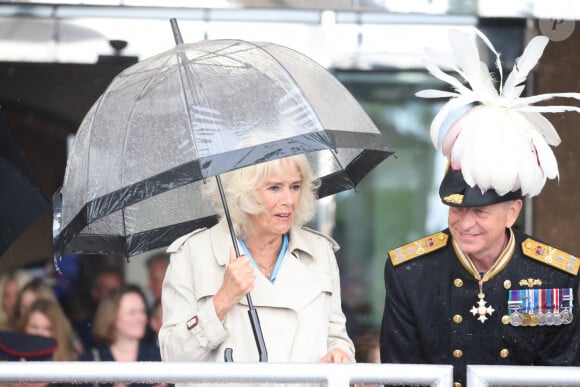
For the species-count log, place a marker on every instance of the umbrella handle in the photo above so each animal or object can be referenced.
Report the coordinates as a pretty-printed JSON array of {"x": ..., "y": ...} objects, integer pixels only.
[
  {"x": 255, "y": 321},
  {"x": 252, "y": 312},
  {"x": 257, "y": 329}
]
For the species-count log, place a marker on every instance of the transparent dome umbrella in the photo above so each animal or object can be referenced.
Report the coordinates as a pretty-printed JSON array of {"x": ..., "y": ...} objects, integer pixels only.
[
  {"x": 164, "y": 125},
  {"x": 140, "y": 156}
]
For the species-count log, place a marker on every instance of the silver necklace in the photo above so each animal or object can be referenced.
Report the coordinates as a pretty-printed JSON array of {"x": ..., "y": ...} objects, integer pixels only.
[{"x": 266, "y": 270}]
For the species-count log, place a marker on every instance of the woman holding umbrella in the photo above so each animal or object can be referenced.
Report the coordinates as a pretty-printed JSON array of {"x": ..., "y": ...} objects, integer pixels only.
[{"x": 291, "y": 272}]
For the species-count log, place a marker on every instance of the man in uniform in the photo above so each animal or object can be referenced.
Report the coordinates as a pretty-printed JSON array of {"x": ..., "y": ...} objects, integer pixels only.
[{"x": 480, "y": 291}]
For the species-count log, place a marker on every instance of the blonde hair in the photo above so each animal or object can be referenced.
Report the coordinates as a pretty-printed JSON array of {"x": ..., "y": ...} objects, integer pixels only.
[
  {"x": 40, "y": 289},
  {"x": 61, "y": 328},
  {"x": 240, "y": 187}
]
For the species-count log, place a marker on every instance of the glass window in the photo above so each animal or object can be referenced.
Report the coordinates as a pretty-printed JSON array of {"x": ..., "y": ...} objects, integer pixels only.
[{"x": 398, "y": 201}]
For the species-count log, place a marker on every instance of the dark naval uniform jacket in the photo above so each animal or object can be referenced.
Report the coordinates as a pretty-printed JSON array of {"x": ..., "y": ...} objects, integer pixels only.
[{"x": 433, "y": 314}]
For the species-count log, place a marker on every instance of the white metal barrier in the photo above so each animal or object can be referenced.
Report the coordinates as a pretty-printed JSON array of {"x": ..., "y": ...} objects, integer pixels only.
[
  {"x": 487, "y": 375},
  {"x": 334, "y": 375}
]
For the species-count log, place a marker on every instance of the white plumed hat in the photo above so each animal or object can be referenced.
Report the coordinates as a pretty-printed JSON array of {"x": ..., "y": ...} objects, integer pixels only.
[{"x": 503, "y": 141}]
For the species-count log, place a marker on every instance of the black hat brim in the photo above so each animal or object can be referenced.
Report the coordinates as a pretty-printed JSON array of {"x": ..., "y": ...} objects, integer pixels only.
[
  {"x": 20, "y": 346},
  {"x": 455, "y": 192}
]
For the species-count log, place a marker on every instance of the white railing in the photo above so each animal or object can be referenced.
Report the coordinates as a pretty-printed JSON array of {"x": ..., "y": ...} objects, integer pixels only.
[
  {"x": 334, "y": 375},
  {"x": 487, "y": 375}
]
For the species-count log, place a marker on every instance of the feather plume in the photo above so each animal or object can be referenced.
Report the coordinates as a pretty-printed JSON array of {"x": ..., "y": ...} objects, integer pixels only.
[
  {"x": 524, "y": 64},
  {"x": 503, "y": 143}
]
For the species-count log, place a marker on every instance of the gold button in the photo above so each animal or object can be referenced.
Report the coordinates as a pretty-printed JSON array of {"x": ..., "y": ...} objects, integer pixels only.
[
  {"x": 528, "y": 245},
  {"x": 507, "y": 284},
  {"x": 457, "y": 319},
  {"x": 456, "y": 384},
  {"x": 458, "y": 282},
  {"x": 504, "y": 353},
  {"x": 505, "y": 320},
  {"x": 457, "y": 353}
]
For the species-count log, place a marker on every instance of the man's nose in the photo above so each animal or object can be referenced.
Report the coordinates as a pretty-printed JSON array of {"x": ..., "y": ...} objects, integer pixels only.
[{"x": 467, "y": 219}]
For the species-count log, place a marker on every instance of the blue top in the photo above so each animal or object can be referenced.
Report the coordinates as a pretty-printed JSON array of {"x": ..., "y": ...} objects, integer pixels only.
[
  {"x": 147, "y": 352},
  {"x": 278, "y": 260}
]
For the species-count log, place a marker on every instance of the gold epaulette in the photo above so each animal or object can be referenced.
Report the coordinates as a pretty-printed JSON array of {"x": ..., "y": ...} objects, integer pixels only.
[
  {"x": 551, "y": 256},
  {"x": 419, "y": 247}
]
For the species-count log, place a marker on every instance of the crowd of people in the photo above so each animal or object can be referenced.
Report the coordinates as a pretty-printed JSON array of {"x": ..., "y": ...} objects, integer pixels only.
[{"x": 118, "y": 323}]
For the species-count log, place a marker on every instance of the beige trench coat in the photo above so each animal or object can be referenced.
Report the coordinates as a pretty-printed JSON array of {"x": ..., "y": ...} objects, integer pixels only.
[{"x": 300, "y": 314}]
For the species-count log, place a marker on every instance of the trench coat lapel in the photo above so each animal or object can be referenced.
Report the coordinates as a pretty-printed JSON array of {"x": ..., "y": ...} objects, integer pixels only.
[
  {"x": 295, "y": 286},
  {"x": 299, "y": 279}
]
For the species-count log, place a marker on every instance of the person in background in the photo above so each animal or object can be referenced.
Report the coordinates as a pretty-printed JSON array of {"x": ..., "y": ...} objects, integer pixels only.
[
  {"x": 34, "y": 290},
  {"x": 367, "y": 347},
  {"x": 119, "y": 328},
  {"x": 291, "y": 272},
  {"x": 46, "y": 318},
  {"x": 156, "y": 320},
  {"x": 156, "y": 268},
  {"x": 10, "y": 284},
  {"x": 367, "y": 350},
  {"x": 107, "y": 280}
]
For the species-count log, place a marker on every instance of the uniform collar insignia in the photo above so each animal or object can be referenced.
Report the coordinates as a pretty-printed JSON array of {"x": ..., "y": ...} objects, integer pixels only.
[{"x": 497, "y": 267}]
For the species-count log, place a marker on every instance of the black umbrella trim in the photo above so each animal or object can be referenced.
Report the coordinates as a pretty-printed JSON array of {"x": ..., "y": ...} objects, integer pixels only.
[
  {"x": 137, "y": 243},
  {"x": 352, "y": 174},
  {"x": 376, "y": 151}
]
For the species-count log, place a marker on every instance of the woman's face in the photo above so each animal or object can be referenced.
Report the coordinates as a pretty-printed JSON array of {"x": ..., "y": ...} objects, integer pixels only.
[
  {"x": 39, "y": 324},
  {"x": 9, "y": 295},
  {"x": 279, "y": 195},
  {"x": 132, "y": 317}
]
